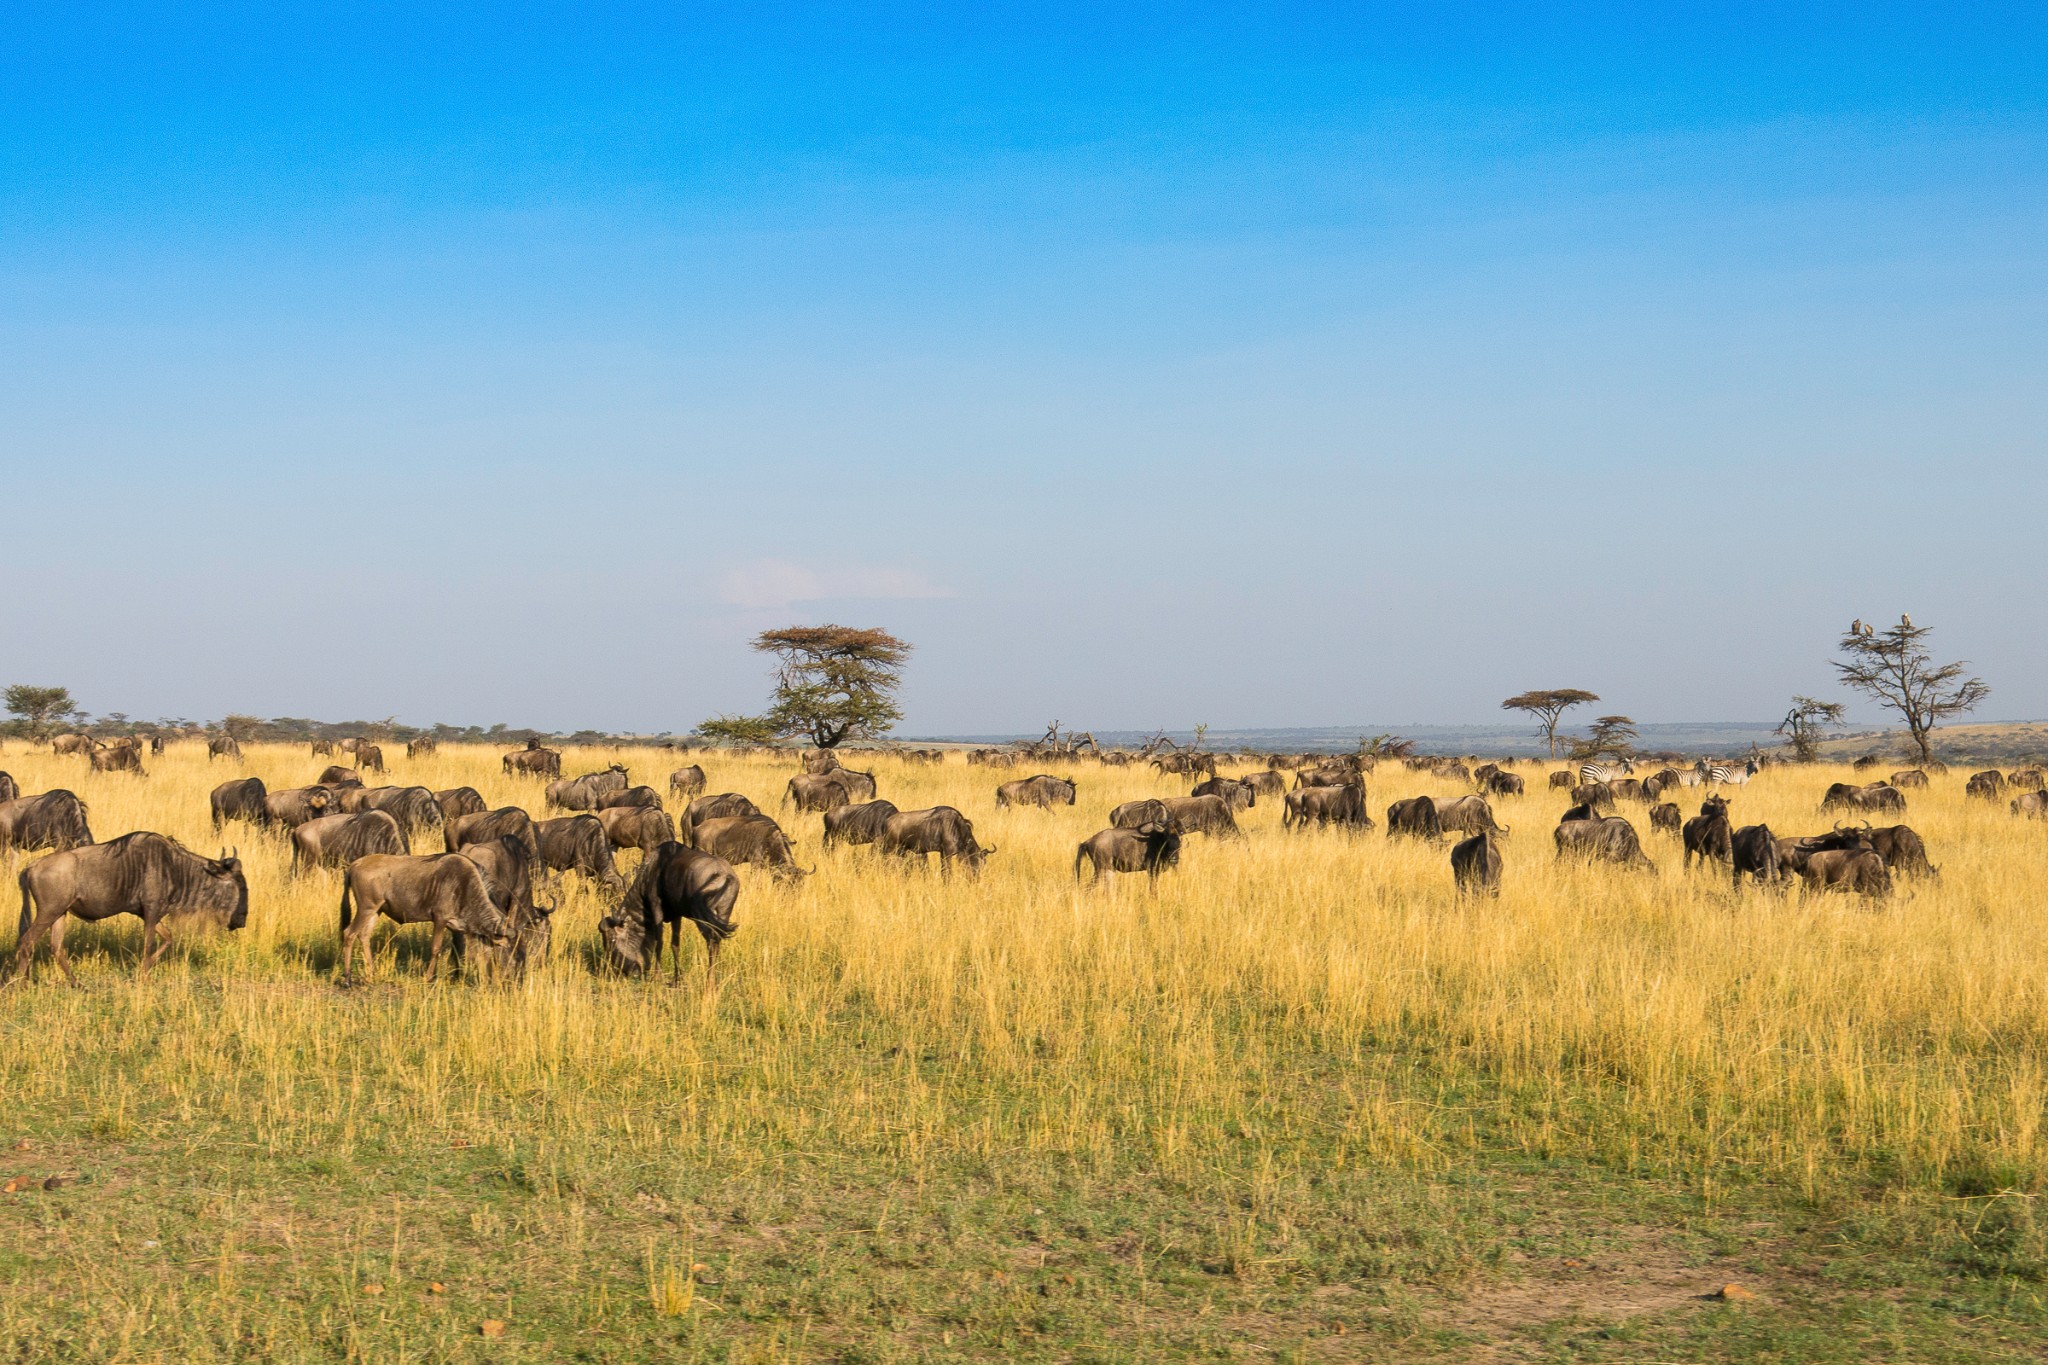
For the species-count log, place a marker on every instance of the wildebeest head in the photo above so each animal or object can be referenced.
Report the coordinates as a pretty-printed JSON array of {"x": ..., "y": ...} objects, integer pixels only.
[
  {"x": 221, "y": 888},
  {"x": 1162, "y": 845},
  {"x": 319, "y": 799},
  {"x": 625, "y": 940},
  {"x": 1713, "y": 806}
]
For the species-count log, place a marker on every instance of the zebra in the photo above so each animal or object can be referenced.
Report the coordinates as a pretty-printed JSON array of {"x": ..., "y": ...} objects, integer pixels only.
[
  {"x": 1589, "y": 773},
  {"x": 1734, "y": 774}
]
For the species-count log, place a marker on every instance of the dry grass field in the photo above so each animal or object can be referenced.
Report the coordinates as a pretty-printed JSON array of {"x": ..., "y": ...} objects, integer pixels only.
[{"x": 1303, "y": 1102}]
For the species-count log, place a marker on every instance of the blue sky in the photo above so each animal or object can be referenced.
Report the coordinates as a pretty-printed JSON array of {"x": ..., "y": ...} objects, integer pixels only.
[{"x": 1144, "y": 367}]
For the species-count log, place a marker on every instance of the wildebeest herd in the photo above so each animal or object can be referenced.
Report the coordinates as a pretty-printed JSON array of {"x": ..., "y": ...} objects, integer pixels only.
[{"x": 481, "y": 891}]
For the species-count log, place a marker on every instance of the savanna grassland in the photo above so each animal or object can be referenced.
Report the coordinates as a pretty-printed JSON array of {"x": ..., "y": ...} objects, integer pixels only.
[{"x": 1303, "y": 1102}]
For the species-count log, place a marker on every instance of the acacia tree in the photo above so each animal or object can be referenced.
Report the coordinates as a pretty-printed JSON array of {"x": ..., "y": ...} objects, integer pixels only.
[
  {"x": 1610, "y": 735},
  {"x": 1894, "y": 668},
  {"x": 1548, "y": 705},
  {"x": 1806, "y": 722},
  {"x": 40, "y": 709},
  {"x": 832, "y": 684}
]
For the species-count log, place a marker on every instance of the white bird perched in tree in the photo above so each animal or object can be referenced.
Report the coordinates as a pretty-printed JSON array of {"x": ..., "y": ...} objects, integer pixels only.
[
  {"x": 1856, "y": 626},
  {"x": 1905, "y": 620}
]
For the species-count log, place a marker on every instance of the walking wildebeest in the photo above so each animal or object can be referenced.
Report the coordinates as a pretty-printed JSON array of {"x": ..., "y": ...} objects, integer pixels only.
[
  {"x": 53, "y": 820},
  {"x": 1604, "y": 838},
  {"x": 322, "y": 748},
  {"x": 686, "y": 781},
  {"x": 741, "y": 839},
  {"x": 1627, "y": 789},
  {"x": 338, "y": 840},
  {"x": 1666, "y": 816},
  {"x": 1987, "y": 785},
  {"x": 1709, "y": 836},
  {"x": 240, "y": 799},
  {"x": 1202, "y": 815},
  {"x": 860, "y": 824},
  {"x": 369, "y": 758},
  {"x": 1235, "y": 794},
  {"x": 1876, "y": 796},
  {"x": 508, "y": 870},
  {"x": 223, "y": 746},
  {"x": 936, "y": 829},
  {"x": 486, "y": 825},
  {"x": 459, "y": 801},
  {"x": 1149, "y": 810},
  {"x": 1753, "y": 853},
  {"x": 1476, "y": 864},
  {"x": 444, "y": 889},
  {"x": 294, "y": 806},
  {"x": 640, "y": 827},
  {"x": 1149, "y": 848},
  {"x": 1598, "y": 795},
  {"x": 1912, "y": 777},
  {"x": 1855, "y": 870},
  {"x": 117, "y": 759},
  {"x": 1416, "y": 818},
  {"x": 2026, "y": 779},
  {"x": 1267, "y": 783},
  {"x": 533, "y": 761},
  {"x": 581, "y": 793},
  {"x": 714, "y": 807},
  {"x": 2031, "y": 805},
  {"x": 645, "y": 797},
  {"x": 675, "y": 883},
  {"x": 1564, "y": 780},
  {"x": 141, "y": 874},
  {"x": 1043, "y": 791},
  {"x": 70, "y": 744},
  {"x": 421, "y": 747},
  {"x": 578, "y": 843},
  {"x": 1325, "y": 806},
  {"x": 816, "y": 792},
  {"x": 1465, "y": 815},
  {"x": 1503, "y": 784}
]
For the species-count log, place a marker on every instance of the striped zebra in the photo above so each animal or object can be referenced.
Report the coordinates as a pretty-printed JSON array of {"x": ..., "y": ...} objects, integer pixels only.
[
  {"x": 1589, "y": 773},
  {"x": 1733, "y": 774}
]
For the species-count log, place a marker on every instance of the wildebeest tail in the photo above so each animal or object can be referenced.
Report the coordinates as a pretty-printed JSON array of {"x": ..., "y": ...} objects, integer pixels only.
[
  {"x": 344, "y": 902},
  {"x": 1080, "y": 852},
  {"x": 28, "y": 903}
]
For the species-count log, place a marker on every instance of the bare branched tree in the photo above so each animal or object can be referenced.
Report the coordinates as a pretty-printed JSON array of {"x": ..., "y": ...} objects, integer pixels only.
[
  {"x": 1894, "y": 668},
  {"x": 1806, "y": 723}
]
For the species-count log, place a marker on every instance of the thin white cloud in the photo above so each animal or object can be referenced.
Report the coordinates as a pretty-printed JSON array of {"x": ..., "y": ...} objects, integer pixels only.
[{"x": 779, "y": 583}]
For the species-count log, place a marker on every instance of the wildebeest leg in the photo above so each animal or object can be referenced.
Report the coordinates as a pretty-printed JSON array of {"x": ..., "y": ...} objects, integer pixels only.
[
  {"x": 434, "y": 953},
  {"x": 675, "y": 948},
  {"x": 56, "y": 931}
]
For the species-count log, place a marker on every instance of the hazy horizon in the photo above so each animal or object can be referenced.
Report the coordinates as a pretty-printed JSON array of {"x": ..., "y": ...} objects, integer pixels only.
[{"x": 1141, "y": 368}]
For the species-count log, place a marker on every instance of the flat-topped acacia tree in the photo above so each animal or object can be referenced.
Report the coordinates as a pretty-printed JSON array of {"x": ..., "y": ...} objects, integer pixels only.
[
  {"x": 832, "y": 684},
  {"x": 1548, "y": 705}
]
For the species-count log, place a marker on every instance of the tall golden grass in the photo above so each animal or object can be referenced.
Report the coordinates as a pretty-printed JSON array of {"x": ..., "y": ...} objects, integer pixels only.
[{"x": 1309, "y": 998}]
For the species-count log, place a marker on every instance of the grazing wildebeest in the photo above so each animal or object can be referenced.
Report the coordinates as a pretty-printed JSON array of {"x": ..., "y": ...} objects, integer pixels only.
[
  {"x": 1237, "y": 795},
  {"x": 70, "y": 744},
  {"x": 1202, "y": 815},
  {"x": 859, "y": 786},
  {"x": 715, "y": 807},
  {"x": 1564, "y": 780},
  {"x": 52, "y": 820},
  {"x": 1503, "y": 784},
  {"x": 816, "y": 792},
  {"x": 444, "y": 889},
  {"x": 1267, "y": 783},
  {"x": 1709, "y": 836},
  {"x": 334, "y": 775},
  {"x": 241, "y": 799},
  {"x": 369, "y": 758},
  {"x": 421, "y": 747},
  {"x": 675, "y": 883},
  {"x": 322, "y": 748},
  {"x": 348, "y": 746},
  {"x": 1325, "y": 775},
  {"x": 937, "y": 829},
  {"x": 1042, "y": 791},
  {"x": 1148, "y": 810},
  {"x": 1604, "y": 838},
  {"x": 1659, "y": 782},
  {"x": 686, "y": 781},
  {"x": 2031, "y": 805},
  {"x": 223, "y": 746},
  {"x": 338, "y": 840},
  {"x": 486, "y": 825},
  {"x": 459, "y": 801},
  {"x": 8, "y": 789},
  {"x": 820, "y": 761},
  {"x": 1325, "y": 806},
  {"x": 1876, "y": 796},
  {"x": 1415, "y": 818},
  {"x": 141, "y": 874},
  {"x": 641, "y": 827},
  {"x": 294, "y": 806},
  {"x": 630, "y": 796},
  {"x": 1627, "y": 789},
  {"x": 156, "y": 744},
  {"x": 1598, "y": 795},
  {"x": 1867, "y": 761},
  {"x": 508, "y": 870},
  {"x": 860, "y": 824},
  {"x": 1851, "y": 870},
  {"x": 740, "y": 839},
  {"x": 1902, "y": 849},
  {"x": 1753, "y": 853},
  {"x": 1149, "y": 848},
  {"x": 1987, "y": 785},
  {"x": 1666, "y": 816},
  {"x": 2026, "y": 779},
  {"x": 117, "y": 759},
  {"x": 581, "y": 793},
  {"x": 415, "y": 808},
  {"x": 533, "y": 761},
  {"x": 1465, "y": 815},
  {"x": 1912, "y": 777},
  {"x": 577, "y": 843},
  {"x": 1476, "y": 864}
]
